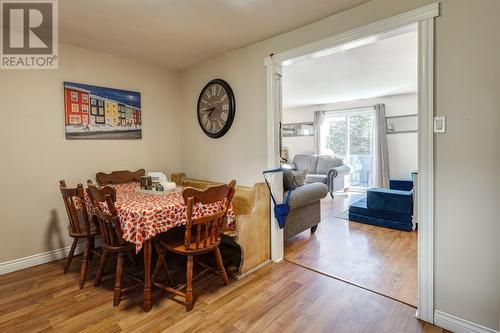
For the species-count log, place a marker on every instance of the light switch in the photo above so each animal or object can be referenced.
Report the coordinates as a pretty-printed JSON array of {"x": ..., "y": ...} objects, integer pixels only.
[{"x": 440, "y": 125}]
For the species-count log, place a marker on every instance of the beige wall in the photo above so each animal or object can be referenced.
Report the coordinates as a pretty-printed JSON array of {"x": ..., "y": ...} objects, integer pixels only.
[
  {"x": 34, "y": 153},
  {"x": 467, "y": 157},
  {"x": 468, "y": 160}
]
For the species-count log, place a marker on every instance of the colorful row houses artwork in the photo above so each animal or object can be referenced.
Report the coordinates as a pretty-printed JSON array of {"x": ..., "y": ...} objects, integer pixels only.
[{"x": 93, "y": 112}]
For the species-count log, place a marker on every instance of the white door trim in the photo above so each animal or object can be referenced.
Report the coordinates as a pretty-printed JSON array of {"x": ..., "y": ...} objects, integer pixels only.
[
  {"x": 273, "y": 154},
  {"x": 424, "y": 16},
  {"x": 426, "y": 170}
]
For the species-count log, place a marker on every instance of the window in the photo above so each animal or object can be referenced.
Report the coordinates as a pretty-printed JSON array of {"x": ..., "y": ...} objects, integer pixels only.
[
  {"x": 74, "y": 108},
  {"x": 85, "y": 98},
  {"x": 85, "y": 108},
  {"x": 349, "y": 135},
  {"x": 93, "y": 101},
  {"x": 101, "y": 103},
  {"x": 93, "y": 110},
  {"x": 75, "y": 120},
  {"x": 74, "y": 96},
  {"x": 101, "y": 111}
]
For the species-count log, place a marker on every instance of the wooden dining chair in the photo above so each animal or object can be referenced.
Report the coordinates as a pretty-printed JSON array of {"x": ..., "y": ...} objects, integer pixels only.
[
  {"x": 202, "y": 235},
  {"x": 119, "y": 177},
  {"x": 112, "y": 240},
  {"x": 80, "y": 226}
]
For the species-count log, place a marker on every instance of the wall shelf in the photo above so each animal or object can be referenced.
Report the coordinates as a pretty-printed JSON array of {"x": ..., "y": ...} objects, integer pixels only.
[
  {"x": 297, "y": 129},
  {"x": 402, "y": 124}
]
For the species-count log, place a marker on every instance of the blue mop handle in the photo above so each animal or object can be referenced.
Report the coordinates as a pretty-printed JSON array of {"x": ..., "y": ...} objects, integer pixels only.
[{"x": 272, "y": 171}]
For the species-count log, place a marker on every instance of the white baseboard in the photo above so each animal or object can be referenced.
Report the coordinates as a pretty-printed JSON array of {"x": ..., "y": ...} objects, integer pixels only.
[
  {"x": 40, "y": 258},
  {"x": 459, "y": 325}
]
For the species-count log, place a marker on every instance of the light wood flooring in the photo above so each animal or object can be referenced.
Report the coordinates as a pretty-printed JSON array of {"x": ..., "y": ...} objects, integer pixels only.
[
  {"x": 280, "y": 297},
  {"x": 380, "y": 259}
]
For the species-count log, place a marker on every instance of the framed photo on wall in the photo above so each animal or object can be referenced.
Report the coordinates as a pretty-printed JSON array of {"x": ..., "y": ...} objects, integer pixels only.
[{"x": 93, "y": 112}]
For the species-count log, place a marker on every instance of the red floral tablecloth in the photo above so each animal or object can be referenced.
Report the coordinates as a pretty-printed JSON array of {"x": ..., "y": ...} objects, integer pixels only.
[{"x": 143, "y": 216}]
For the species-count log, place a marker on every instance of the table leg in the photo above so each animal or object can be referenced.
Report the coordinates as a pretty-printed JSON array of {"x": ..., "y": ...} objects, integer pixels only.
[{"x": 147, "y": 275}]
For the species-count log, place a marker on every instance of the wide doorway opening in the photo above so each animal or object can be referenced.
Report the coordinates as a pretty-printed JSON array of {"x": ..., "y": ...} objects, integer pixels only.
[{"x": 349, "y": 120}]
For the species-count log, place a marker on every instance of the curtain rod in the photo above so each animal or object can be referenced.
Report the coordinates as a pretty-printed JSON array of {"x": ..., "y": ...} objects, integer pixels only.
[{"x": 345, "y": 109}]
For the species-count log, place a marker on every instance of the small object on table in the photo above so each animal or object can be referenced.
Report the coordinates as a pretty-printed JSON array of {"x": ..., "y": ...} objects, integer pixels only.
[
  {"x": 159, "y": 187},
  {"x": 146, "y": 183}
]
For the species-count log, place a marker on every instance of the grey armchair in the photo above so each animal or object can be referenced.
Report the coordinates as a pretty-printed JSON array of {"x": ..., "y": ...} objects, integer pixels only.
[{"x": 324, "y": 169}]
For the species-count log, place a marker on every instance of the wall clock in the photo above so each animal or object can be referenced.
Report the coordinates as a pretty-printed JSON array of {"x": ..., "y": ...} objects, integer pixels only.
[{"x": 216, "y": 108}]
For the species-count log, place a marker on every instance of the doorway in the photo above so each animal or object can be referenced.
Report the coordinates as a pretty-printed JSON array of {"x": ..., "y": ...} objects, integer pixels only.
[
  {"x": 375, "y": 248},
  {"x": 424, "y": 17}
]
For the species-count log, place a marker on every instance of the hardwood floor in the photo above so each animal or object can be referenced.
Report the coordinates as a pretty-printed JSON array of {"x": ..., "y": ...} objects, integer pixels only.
[
  {"x": 278, "y": 298},
  {"x": 379, "y": 259}
]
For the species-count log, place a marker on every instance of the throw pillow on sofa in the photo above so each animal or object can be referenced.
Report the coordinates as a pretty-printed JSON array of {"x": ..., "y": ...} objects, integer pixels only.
[
  {"x": 299, "y": 176},
  {"x": 288, "y": 180}
]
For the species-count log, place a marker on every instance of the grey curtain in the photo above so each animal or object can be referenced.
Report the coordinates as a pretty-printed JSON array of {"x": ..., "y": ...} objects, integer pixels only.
[
  {"x": 319, "y": 116},
  {"x": 380, "y": 173}
]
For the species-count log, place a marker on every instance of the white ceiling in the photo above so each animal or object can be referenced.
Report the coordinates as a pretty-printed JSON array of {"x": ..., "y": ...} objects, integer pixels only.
[
  {"x": 386, "y": 66},
  {"x": 179, "y": 33}
]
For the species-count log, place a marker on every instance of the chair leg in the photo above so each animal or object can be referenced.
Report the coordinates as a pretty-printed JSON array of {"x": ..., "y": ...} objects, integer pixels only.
[
  {"x": 85, "y": 260},
  {"x": 100, "y": 271},
  {"x": 189, "y": 283},
  {"x": 70, "y": 255},
  {"x": 222, "y": 270},
  {"x": 92, "y": 248},
  {"x": 118, "y": 281},
  {"x": 331, "y": 194}
]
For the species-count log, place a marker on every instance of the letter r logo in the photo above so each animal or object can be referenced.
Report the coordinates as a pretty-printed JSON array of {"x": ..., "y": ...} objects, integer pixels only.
[{"x": 27, "y": 27}]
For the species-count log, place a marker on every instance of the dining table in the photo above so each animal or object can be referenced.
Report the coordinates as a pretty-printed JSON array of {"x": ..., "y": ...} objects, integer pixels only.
[{"x": 143, "y": 215}]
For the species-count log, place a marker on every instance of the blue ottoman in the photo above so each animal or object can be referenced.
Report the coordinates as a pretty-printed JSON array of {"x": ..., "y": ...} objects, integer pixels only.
[{"x": 389, "y": 208}]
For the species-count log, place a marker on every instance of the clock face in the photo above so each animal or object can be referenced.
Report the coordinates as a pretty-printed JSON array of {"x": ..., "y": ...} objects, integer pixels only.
[{"x": 216, "y": 108}]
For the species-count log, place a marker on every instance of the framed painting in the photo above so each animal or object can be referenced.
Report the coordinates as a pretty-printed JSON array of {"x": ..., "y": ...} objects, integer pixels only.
[{"x": 93, "y": 112}]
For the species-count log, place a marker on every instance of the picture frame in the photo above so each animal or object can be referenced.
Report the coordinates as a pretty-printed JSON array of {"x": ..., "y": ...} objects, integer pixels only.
[{"x": 94, "y": 112}]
